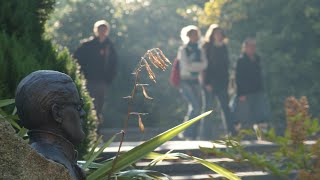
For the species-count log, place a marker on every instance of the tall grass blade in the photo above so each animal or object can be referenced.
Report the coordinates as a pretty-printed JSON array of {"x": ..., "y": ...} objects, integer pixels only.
[
  {"x": 158, "y": 159},
  {"x": 218, "y": 169},
  {"x": 96, "y": 154},
  {"x": 141, "y": 174},
  {"x": 142, "y": 150},
  {"x": 87, "y": 156},
  {"x": 6, "y": 102},
  {"x": 154, "y": 155},
  {"x": 22, "y": 132}
]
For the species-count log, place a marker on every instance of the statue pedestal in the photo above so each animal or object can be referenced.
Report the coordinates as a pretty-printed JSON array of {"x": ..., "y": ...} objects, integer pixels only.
[{"x": 20, "y": 161}]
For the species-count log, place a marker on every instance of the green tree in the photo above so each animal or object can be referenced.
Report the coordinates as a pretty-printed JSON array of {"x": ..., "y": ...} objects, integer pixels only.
[
  {"x": 288, "y": 37},
  {"x": 23, "y": 50}
]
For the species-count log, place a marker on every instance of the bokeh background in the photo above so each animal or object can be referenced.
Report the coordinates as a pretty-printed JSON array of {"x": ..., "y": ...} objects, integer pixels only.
[{"x": 287, "y": 33}]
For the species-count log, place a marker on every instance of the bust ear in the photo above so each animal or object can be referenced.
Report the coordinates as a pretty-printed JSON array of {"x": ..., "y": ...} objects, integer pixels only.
[{"x": 56, "y": 113}]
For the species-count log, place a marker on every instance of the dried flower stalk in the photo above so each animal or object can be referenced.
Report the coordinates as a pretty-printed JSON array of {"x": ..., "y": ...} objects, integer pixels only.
[
  {"x": 156, "y": 57},
  {"x": 158, "y": 60}
]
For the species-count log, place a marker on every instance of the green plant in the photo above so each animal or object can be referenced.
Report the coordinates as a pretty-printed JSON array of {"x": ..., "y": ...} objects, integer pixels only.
[
  {"x": 140, "y": 151},
  {"x": 292, "y": 154},
  {"x": 11, "y": 118},
  {"x": 113, "y": 168},
  {"x": 23, "y": 50},
  {"x": 128, "y": 158}
]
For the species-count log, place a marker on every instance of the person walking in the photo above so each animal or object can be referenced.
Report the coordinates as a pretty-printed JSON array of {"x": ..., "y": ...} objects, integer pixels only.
[
  {"x": 216, "y": 76},
  {"x": 252, "y": 107},
  {"x": 192, "y": 61},
  {"x": 98, "y": 59}
]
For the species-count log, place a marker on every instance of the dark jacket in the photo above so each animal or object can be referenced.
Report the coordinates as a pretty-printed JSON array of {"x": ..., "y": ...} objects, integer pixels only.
[
  {"x": 248, "y": 75},
  {"x": 216, "y": 73},
  {"x": 97, "y": 60}
]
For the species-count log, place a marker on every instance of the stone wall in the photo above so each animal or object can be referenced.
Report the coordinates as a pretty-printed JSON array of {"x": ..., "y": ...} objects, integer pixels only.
[{"x": 19, "y": 161}]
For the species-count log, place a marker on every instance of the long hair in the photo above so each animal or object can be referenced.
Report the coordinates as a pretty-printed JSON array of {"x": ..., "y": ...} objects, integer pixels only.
[
  {"x": 185, "y": 33},
  {"x": 209, "y": 34}
]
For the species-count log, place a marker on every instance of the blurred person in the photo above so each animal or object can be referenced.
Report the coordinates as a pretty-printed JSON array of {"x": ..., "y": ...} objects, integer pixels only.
[
  {"x": 98, "y": 59},
  {"x": 252, "y": 107},
  {"x": 216, "y": 76},
  {"x": 192, "y": 63}
]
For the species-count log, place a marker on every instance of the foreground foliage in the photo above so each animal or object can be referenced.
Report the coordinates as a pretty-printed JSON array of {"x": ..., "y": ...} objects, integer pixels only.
[
  {"x": 118, "y": 167},
  {"x": 126, "y": 159},
  {"x": 294, "y": 152}
]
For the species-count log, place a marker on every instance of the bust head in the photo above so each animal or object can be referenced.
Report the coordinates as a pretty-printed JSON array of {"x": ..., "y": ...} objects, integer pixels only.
[{"x": 49, "y": 100}]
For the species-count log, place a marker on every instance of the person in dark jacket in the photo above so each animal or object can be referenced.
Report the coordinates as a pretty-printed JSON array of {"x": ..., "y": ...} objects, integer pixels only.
[
  {"x": 98, "y": 59},
  {"x": 252, "y": 107},
  {"x": 216, "y": 76}
]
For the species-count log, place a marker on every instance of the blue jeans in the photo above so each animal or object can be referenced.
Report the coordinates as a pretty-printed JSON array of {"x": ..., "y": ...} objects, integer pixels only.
[{"x": 192, "y": 93}]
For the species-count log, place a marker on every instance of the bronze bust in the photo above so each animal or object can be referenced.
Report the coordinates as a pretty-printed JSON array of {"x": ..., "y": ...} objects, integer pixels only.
[{"x": 49, "y": 105}]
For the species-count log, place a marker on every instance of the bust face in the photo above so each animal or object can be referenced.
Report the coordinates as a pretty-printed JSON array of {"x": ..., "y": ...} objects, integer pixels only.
[
  {"x": 49, "y": 100},
  {"x": 72, "y": 115}
]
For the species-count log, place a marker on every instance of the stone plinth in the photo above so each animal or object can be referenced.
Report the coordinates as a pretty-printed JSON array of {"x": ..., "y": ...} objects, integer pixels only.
[{"x": 19, "y": 161}]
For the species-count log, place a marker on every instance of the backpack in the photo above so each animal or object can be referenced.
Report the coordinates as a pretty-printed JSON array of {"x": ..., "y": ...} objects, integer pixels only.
[{"x": 175, "y": 74}]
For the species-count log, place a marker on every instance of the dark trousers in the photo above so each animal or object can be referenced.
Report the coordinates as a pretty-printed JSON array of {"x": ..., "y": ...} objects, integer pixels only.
[
  {"x": 223, "y": 97},
  {"x": 97, "y": 91},
  {"x": 254, "y": 110}
]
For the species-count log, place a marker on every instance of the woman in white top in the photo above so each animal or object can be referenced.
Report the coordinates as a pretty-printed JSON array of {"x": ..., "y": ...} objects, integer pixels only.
[{"x": 193, "y": 62}]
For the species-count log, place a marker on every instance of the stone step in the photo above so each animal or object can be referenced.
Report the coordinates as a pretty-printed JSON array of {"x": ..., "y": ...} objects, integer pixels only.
[
  {"x": 190, "y": 147},
  {"x": 245, "y": 175},
  {"x": 192, "y": 167},
  {"x": 133, "y": 134},
  {"x": 183, "y": 169}
]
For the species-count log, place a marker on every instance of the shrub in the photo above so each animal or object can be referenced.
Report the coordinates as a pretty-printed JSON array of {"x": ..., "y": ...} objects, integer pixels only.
[
  {"x": 293, "y": 153},
  {"x": 23, "y": 50}
]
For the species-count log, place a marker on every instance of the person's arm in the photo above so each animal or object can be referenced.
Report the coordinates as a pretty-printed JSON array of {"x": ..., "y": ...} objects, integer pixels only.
[
  {"x": 227, "y": 57},
  {"x": 206, "y": 78},
  {"x": 263, "y": 76},
  {"x": 111, "y": 64},
  {"x": 240, "y": 78},
  {"x": 81, "y": 55},
  {"x": 204, "y": 60},
  {"x": 78, "y": 54}
]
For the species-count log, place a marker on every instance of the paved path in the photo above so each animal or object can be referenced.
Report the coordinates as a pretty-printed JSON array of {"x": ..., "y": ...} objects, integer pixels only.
[{"x": 186, "y": 169}]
